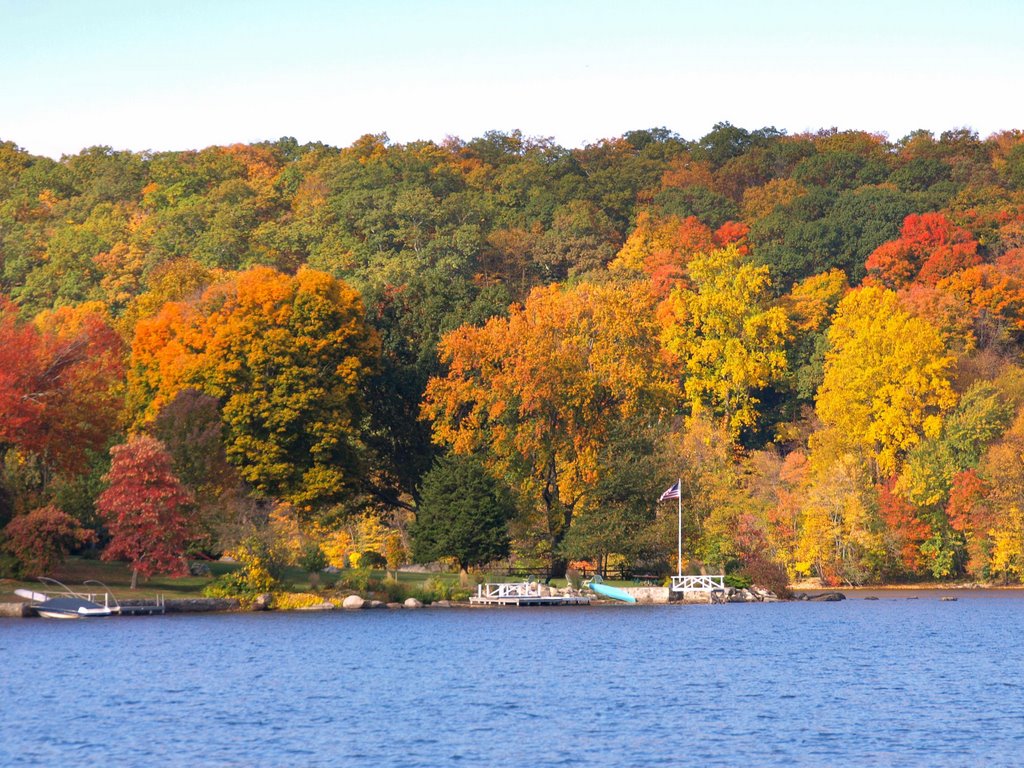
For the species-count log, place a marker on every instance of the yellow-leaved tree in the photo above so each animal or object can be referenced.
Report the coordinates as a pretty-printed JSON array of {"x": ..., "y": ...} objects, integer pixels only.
[
  {"x": 840, "y": 535},
  {"x": 726, "y": 337},
  {"x": 886, "y": 381}
]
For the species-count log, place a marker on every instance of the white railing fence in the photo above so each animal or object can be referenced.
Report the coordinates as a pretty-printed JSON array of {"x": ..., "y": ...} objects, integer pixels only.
[
  {"x": 511, "y": 589},
  {"x": 701, "y": 583}
]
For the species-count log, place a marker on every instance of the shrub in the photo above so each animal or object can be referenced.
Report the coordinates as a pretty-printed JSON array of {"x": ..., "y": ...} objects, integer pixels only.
[
  {"x": 10, "y": 568},
  {"x": 396, "y": 591},
  {"x": 313, "y": 559},
  {"x": 767, "y": 574},
  {"x": 372, "y": 559},
  {"x": 357, "y": 579},
  {"x": 233, "y": 584},
  {"x": 737, "y": 581},
  {"x": 42, "y": 539},
  {"x": 432, "y": 590},
  {"x": 262, "y": 562},
  {"x": 290, "y": 601}
]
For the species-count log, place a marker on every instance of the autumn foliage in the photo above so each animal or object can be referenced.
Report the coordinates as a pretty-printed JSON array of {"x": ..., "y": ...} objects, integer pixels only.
[
  {"x": 929, "y": 249},
  {"x": 820, "y": 333},
  {"x": 145, "y": 509},
  {"x": 58, "y": 381},
  {"x": 42, "y": 539}
]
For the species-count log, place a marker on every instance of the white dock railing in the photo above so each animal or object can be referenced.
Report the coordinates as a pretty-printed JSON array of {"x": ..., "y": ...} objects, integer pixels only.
[
  {"x": 700, "y": 583},
  {"x": 511, "y": 589}
]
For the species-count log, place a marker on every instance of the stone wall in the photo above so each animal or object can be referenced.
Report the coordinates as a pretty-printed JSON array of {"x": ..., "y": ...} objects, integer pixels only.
[
  {"x": 15, "y": 610},
  {"x": 649, "y": 594},
  {"x": 201, "y": 604},
  {"x": 702, "y": 596}
]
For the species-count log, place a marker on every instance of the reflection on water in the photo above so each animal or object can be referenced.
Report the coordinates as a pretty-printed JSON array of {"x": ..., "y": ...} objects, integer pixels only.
[{"x": 890, "y": 682}]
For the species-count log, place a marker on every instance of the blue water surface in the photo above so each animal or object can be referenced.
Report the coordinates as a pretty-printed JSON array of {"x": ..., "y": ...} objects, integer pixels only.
[{"x": 892, "y": 682}]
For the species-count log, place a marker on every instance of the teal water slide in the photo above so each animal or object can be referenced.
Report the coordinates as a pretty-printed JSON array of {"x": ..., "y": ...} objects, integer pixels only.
[{"x": 611, "y": 592}]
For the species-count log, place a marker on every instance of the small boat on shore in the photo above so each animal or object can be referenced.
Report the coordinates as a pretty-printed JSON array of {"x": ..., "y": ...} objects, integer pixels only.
[{"x": 70, "y": 604}]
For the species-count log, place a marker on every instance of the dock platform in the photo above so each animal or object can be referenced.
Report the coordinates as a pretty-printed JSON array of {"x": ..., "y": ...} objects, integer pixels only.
[
  {"x": 522, "y": 594},
  {"x": 143, "y": 608}
]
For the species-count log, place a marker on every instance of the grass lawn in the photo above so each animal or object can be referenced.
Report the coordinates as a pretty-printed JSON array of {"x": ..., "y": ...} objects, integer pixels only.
[{"x": 118, "y": 577}]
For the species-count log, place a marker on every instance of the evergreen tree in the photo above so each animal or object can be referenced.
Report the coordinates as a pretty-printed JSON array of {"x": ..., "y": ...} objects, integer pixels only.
[{"x": 463, "y": 513}]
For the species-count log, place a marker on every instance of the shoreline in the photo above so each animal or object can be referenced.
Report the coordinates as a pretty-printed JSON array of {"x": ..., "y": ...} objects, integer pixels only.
[
  {"x": 887, "y": 592},
  {"x": 915, "y": 592}
]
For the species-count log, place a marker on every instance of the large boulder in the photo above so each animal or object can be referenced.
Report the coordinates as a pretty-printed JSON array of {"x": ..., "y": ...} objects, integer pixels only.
[
  {"x": 353, "y": 602},
  {"x": 740, "y": 596},
  {"x": 412, "y": 602},
  {"x": 262, "y": 602}
]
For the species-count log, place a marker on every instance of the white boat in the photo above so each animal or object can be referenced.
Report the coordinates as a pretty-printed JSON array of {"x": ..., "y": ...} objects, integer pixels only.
[{"x": 70, "y": 604}]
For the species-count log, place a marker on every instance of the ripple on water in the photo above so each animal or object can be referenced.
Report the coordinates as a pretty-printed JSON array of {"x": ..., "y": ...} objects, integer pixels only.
[{"x": 864, "y": 683}]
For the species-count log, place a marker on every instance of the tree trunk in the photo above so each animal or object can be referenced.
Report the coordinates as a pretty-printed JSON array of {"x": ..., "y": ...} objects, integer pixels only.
[
  {"x": 463, "y": 577},
  {"x": 135, "y": 578},
  {"x": 558, "y": 567}
]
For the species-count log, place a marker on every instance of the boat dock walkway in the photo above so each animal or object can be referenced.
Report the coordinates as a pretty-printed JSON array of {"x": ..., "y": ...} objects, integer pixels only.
[
  {"x": 143, "y": 607},
  {"x": 522, "y": 593}
]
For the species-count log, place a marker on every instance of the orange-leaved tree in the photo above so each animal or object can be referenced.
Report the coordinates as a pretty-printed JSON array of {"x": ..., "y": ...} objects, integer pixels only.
[
  {"x": 929, "y": 248},
  {"x": 660, "y": 248},
  {"x": 288, "y": 358},
  {"x": 536, "y": 394},
  {"x": 58, "y": 382}
]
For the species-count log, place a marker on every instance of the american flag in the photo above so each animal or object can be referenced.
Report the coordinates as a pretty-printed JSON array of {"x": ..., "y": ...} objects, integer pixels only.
[{"x": 671, "y": 493}]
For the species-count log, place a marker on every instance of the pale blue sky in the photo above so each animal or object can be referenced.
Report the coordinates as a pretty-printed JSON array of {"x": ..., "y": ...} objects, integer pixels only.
[{"x": 176, "y": 75}]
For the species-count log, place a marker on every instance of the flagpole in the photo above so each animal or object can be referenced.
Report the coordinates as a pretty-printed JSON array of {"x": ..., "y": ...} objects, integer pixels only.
[{"x": 679, "y": 554}]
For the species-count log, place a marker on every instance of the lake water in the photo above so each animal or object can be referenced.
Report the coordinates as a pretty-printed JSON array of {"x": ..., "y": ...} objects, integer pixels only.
[{"x": 892, "y": 682}]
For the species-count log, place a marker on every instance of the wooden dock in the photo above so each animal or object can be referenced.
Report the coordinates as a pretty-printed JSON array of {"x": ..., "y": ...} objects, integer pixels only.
[
  {"x": 143, "y": 608},
  {"x": 521, "y": 594}
]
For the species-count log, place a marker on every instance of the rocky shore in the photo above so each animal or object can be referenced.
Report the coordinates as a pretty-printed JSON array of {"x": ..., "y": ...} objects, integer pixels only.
[{"x": 644, "y": 595}]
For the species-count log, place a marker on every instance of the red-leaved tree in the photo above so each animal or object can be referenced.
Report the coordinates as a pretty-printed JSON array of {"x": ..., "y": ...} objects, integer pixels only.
[
  {"x": 58, "y": 382},
  {"x": 929, "y": 249},
  {"x": 42, "y": 539},
  {"x": 146, "y": 509}
]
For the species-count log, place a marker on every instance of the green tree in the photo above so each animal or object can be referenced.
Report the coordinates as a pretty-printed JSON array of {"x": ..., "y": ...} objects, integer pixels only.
[
  {"x": 822, "y": 230},
  {"x": 621, "y": 518},
  {"x": 463, "y": 514}
]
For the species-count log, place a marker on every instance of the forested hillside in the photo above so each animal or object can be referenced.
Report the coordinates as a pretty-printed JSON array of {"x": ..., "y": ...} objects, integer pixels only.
[{"x": 820, "y": 334}]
